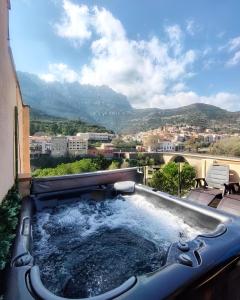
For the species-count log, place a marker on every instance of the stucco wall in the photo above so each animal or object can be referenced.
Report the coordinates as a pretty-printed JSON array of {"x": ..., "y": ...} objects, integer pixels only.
[{"x": 10, "y": 97}]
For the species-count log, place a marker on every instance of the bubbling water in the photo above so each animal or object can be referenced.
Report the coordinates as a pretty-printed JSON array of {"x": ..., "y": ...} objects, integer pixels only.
[{"x": 89, "y": 247}]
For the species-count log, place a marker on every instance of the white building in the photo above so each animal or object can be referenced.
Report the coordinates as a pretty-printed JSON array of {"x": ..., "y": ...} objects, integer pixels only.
[
  {"x": 96, "y": 136},
  {"x": 165, "y": 146},
  {"x": 40, "y": 145},
  {"x": 212, "y": 138},
  {"x": 155, "y": 143},
  {"x": 59, "y": 146},
  {"x": 77, "y": 146}
]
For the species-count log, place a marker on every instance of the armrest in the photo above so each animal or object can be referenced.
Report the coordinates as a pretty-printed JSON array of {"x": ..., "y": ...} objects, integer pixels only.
[
  {"x": 232, "y": 187},
  {"x": 201, "y": 182}
]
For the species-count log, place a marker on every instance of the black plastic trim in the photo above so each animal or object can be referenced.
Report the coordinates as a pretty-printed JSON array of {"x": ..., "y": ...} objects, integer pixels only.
[{"x": 43, "y": 293}]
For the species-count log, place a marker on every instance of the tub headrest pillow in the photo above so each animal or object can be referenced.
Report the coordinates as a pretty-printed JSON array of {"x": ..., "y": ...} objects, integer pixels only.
[{"x": 124, "y": 186}]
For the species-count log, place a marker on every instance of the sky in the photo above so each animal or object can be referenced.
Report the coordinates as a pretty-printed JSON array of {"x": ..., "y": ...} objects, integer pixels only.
[{"x": 159, "y": 53}]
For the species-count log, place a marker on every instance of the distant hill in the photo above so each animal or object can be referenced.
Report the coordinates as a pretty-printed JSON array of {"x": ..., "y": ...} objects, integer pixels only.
[
  {"x": 103, "y": 106},
  {"x": 38, "y": 115},
  {"x": 198, "y": 114},
  {"x": 41, "y": 122}
]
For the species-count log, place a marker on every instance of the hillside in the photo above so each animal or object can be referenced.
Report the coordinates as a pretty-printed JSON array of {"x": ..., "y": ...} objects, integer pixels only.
[
  {"x": 197, "y": 114},
  {"x": 41, "y": 122},
  {"x": 103, "y": 106}
]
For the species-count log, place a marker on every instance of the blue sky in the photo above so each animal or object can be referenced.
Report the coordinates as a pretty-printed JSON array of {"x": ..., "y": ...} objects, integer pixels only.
[{"x": 164, "y": 53}]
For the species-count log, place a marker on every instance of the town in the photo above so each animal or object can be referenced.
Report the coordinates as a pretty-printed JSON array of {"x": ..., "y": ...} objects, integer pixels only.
[{"x": 92, "y": 144}]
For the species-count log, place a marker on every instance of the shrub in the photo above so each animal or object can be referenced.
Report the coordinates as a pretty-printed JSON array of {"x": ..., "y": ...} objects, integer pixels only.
[
  {"x": 167, "y": 178},
  {"x": 9, "y": 211}
]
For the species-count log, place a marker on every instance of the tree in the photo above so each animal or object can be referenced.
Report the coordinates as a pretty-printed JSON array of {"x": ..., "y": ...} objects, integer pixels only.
[
  {"x": 125, "y": 164},
  {"x": 114, "y": 165},
  {"x": 83, "y": 165},
  {"x": 167, "y": 178},
  {"x": 228, "y": 146}
]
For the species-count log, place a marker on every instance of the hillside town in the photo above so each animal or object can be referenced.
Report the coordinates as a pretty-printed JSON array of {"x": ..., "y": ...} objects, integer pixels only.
[{"x": 164, "y": 139}]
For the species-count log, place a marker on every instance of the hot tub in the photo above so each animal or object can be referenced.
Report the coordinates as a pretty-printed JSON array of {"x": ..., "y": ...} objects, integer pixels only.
[{"x": 81, "y": 238}]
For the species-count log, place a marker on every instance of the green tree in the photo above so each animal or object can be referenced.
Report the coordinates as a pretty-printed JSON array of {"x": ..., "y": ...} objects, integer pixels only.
[
  {"x": 125, "y": 164},
  {"x": 101, "y": 162},
  {"x": 114, "y": 165},
  {"x": 83, "y": 165},
  {"x": 167, "y": 178},
  {"x": 227, "y": 147}
]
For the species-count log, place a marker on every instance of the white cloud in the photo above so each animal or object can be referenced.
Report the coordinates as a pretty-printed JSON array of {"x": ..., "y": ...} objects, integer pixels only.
[
  {"x": 179, "y": 87},
  {"x": 206, "y": 51},
  {"x": 225, "y": 100},
  {"x": 234, "y": 44},
  {"x": 151, "y": 72},
  {"x": 235, "y": 60},
  {"x": 140, "y": 69},
  {"x": 221, "y": 34},
  {"x": 190, "y": 27},
  {"x": 233, "y": 48},
  {"x": 75, "y": 22},
  {"x": 59, "y": 72},
  {"x": 175, "y": 35}
]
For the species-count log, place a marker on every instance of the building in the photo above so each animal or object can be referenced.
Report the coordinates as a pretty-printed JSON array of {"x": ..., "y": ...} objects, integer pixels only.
[
  {"x": 150, "y": 143},
  {"x": 155, "y": 143},
  {"x": 35, "y": 150},
  {"x": 140, "y": 148},
  {"x": 105, "y": 150},
  {"x": 96, "y": 136},
  {"x": 179, "y": 147},
  {"x": 213, "y": 138},
  {"x": 165, "y": 146},
  {"x": 40, "y": 145},
  {"x": 107, "y": 146},
  {"x": 59, "y": 146},
  {"x": 14, "y": 115},
  {"x": 180, "y": 138},
  {"x": 77, "y": 146},
  {"x": 92, "y": 151}
]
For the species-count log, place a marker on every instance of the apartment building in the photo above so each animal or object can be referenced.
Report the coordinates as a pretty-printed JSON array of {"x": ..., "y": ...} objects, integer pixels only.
[
  {"x": 40, "y": 145},
  {"x": 14, "y": 115},
  {"x": 59, "y": 146},
  {"x": 77, "y": 146},
  {"x": 165, "y": 146},
  {"x": 96, "y": 136}
]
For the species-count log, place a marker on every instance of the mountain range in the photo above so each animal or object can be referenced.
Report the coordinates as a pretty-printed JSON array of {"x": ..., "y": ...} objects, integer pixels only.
[{"x": 103, "y": 106}]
